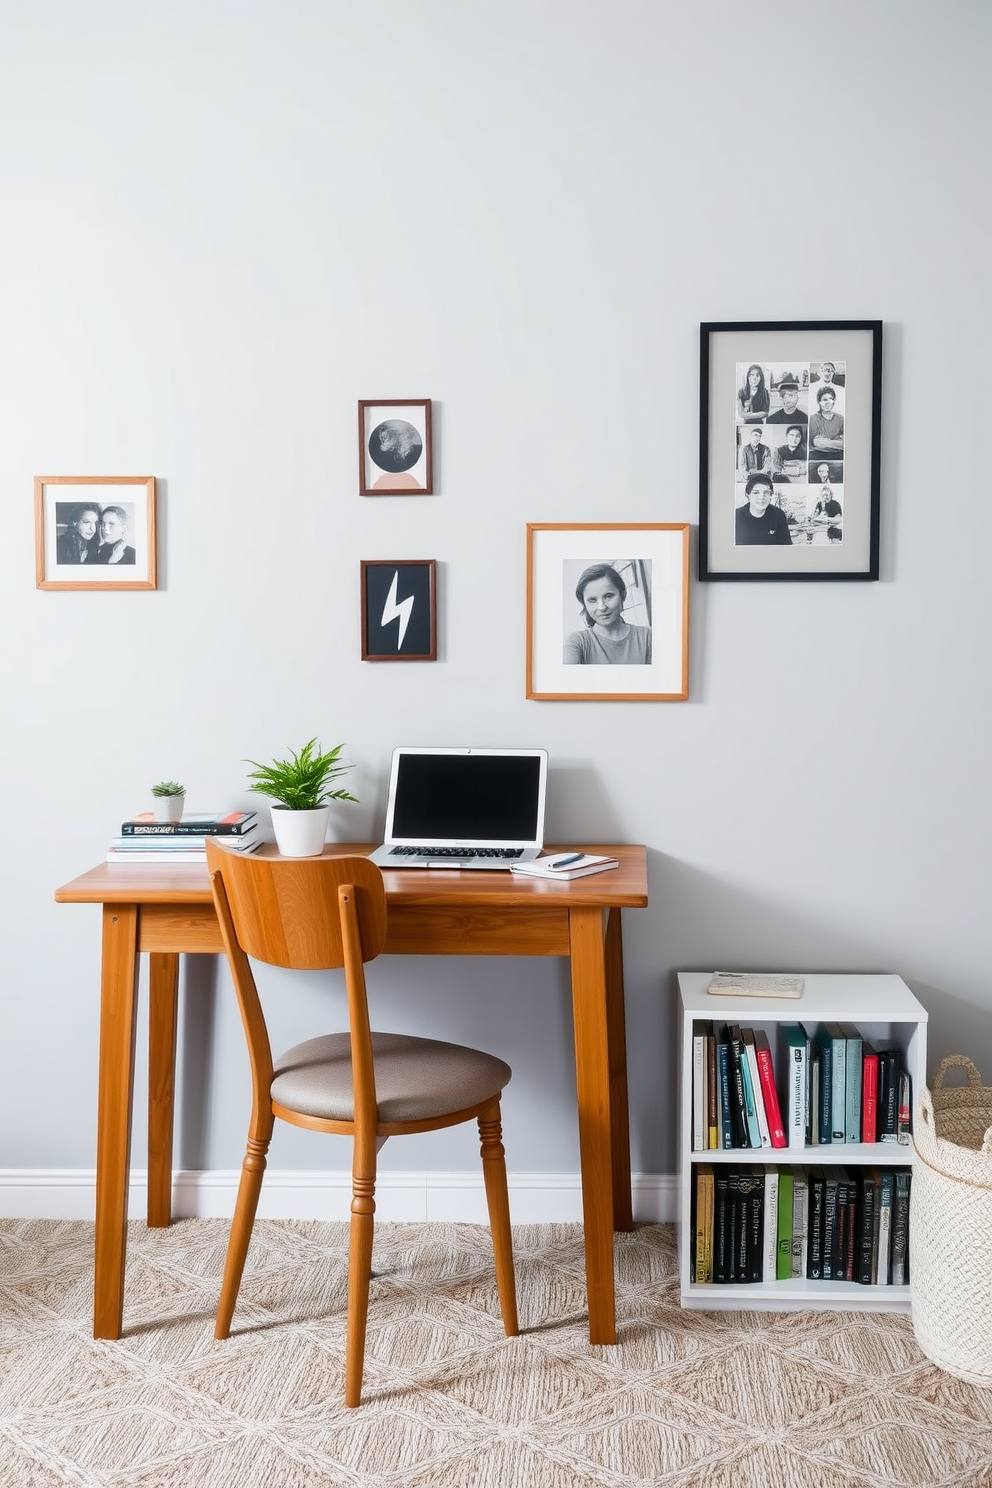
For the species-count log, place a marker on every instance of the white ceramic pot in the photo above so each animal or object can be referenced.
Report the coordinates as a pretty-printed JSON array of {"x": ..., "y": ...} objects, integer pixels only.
[
  {"x": 300, "y": 834},
  {"x": 168, "y": 808}
]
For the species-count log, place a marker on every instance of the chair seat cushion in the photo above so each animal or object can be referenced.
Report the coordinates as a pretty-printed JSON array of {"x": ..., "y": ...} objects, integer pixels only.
[{"x": 416, "y": 1079}]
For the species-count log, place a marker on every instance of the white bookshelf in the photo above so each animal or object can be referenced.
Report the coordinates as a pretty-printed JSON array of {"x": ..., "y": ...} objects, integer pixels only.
[{"x": 884, "y": 1010}]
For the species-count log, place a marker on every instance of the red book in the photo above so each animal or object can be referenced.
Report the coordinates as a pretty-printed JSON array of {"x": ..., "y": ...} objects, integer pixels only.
[
  {"x": 869, "y": 1094},
  {"x": 766, "y": 1074}
]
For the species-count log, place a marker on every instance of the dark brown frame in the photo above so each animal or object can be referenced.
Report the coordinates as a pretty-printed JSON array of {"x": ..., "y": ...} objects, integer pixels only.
[
  {"x": 428, "y": 591},
  {"x": 422, "y": 422}
]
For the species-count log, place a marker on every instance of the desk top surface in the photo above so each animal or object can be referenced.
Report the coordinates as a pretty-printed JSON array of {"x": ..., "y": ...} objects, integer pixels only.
[{"x": 624, "y": 887}]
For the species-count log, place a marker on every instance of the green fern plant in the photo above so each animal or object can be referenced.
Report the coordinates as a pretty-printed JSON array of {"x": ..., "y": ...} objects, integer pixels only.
[
  {"x": 301, "y": 782},
  {"x": 168, "y": 788}
]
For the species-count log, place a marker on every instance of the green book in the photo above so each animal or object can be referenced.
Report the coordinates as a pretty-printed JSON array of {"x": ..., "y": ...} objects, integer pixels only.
[{"x": 783, "y": 1267}]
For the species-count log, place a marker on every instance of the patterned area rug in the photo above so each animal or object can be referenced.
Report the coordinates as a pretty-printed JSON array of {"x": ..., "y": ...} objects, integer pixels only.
[{"x": 685, "y": 1399}]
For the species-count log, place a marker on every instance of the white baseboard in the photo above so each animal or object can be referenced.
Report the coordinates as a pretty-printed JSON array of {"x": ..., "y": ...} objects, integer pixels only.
[{"x": 535, "y": 1198}]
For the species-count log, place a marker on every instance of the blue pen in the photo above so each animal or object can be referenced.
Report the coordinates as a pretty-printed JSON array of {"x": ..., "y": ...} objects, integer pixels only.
[{"x": 563, "y": 862}]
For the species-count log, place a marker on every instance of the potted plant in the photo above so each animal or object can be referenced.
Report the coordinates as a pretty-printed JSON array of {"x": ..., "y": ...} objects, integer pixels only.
[
  {"x": 299, "y": 790},
  {"x": 168, "y": 800}
]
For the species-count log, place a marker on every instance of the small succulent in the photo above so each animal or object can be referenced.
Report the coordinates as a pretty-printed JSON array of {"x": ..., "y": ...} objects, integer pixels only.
[
  {"x": 301, "y": 782},
  {"x": 168, "y": 788}
]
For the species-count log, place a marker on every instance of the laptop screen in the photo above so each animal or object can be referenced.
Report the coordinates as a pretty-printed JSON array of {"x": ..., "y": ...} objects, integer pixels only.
[{"x": 467, "y": 796}]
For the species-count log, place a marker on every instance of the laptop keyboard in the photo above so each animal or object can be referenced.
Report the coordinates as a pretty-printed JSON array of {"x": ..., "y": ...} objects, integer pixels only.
[{"x": 456, "y": 852}]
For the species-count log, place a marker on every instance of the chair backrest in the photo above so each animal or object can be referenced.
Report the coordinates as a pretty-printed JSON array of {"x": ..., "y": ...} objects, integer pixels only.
[
  {"x": 286, "y": 911},
  {"x": 309, "y": 914}
]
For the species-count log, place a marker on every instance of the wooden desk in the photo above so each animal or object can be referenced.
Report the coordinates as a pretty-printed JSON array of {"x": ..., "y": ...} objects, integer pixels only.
[{"x": 167, "y": 911}]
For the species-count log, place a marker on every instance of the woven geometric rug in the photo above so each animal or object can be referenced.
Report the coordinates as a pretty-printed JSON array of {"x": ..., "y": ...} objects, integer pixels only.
[{"x": 684, "y": 1399}]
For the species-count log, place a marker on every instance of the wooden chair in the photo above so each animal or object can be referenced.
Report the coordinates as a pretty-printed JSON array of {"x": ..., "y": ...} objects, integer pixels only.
[{"x": 317, "y": 913}]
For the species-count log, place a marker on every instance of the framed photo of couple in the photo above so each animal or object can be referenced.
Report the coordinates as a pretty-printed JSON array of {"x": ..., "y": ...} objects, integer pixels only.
[
  {"x": 608, "y": 611},
  {"x": 789, "y": 449},
  {"x": 95, "y": 531}
]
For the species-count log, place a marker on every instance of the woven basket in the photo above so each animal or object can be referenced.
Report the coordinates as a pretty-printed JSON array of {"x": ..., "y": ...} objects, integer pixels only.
[{"x": 950, "y": 1228}]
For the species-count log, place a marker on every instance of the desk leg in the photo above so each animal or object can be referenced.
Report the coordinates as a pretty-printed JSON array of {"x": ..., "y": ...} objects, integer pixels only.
[
  {"x": 623, "y": 1214},
  {"x": 163, "y": 1010},
  {"x": 118, "y": 1004},
  {"x": 592, "y": 1075}
]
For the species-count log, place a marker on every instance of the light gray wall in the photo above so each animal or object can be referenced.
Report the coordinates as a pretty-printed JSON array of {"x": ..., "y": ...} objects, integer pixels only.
[{"x": 223, "y": 224}]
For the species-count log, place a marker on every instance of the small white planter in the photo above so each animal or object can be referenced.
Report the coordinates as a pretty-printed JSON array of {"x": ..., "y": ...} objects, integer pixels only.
[
  {"x": 168, "y": 808},
  {"x": 300, "y": 834}
]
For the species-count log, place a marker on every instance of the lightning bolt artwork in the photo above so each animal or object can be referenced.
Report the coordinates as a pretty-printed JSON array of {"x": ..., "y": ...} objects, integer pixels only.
[{"x": 401, "y": 611}]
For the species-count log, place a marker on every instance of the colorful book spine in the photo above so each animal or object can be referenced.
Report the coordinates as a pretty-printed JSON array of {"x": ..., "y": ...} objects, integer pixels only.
[
  {"x": 869, "y": 1093},
  {"x": 723, "y": 1086},
  {"x": 766, "y": 1074},
  {"x": 750, "y": 1049},
  {"x": 750, "y": 1105},
  {"x": 712, "y": 1094},
  {"x": 704, "y": 1223},
  {"x": 783, "y": 1267}
]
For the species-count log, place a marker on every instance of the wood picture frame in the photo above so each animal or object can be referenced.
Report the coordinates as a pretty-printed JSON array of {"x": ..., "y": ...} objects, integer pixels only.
[
  {"x": 399, "y": 609},
  {"x": 95, "y": 531},
  {"x": 395, "y": 448},
  {"x": 629, "y": 632},
  {"x": 789, "y": 449}
]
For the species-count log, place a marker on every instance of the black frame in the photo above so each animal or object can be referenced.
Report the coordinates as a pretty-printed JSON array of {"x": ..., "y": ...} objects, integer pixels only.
[
  {"x": 419, "y": 641},
  {"x": 724, "y": 344}
]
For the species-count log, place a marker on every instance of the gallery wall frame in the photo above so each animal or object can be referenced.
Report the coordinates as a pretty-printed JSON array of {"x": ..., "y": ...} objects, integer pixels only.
[
  {"x": 789, "y": 449},
  {"x": 395, "y": 448},
  {"x": 399, "y": 609},
  {"x": 95, "y": 531},
  {"x": 627, "y": 638}
]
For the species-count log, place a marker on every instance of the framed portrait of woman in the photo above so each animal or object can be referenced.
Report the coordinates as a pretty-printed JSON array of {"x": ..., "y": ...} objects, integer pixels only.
[{"x": 608, "y": 612}]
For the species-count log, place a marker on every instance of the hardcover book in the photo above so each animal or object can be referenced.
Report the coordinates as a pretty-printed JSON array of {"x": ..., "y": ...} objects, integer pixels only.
[
  {"x": 766, "y": 1072},
  {"x": 750, "y": 1049},
  {"x": 869, "y": 1093},
  {"x": 192, "y": 825},
  {"x": 854, "y": 1045},
  {"x": 769, "y": 1265},
  {"x": 783, "y": 1269},
  {"x": 793, "y": 1074}
]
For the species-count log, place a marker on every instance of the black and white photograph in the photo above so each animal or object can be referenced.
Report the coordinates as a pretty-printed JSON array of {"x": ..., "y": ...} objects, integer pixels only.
[
  {"x": 399, "y": 610},
  {"x": 395, "y": 457},
  {"x": 789, "y": 450},
  {"x": 607, "y": 612},
  {"x": 95, "y": 532},
  {"x": 612, "y": 600}
]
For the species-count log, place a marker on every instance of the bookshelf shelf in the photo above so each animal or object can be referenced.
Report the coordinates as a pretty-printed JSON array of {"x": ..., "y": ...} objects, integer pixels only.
[{"x": 884, "y": 1010}]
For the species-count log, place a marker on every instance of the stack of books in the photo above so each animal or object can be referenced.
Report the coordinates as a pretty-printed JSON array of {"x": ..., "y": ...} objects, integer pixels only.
[{"x": 144, "y": 839}]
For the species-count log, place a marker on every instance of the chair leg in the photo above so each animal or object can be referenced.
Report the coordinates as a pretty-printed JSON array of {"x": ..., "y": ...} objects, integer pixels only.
[
  {"x": 359, "y": 1277},
  {"x": 249, "y": 1190},
  {"x": 494, "y": 1172}
]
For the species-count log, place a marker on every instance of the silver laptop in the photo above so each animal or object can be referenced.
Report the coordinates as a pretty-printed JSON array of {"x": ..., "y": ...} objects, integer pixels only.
[{"x": 464, "y": 808}]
